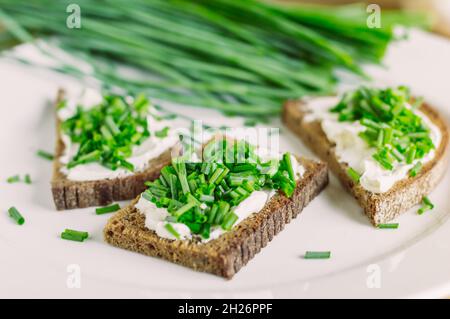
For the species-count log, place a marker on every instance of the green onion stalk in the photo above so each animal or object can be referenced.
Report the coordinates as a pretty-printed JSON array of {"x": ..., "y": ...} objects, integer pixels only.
[{"x": 239, "y": 57}]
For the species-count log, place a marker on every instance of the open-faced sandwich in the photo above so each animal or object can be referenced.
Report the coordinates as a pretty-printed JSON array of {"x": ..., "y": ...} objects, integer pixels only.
[
  {"x": 214, "y": 211},
  {"x": 386, "y": 148},
  {"x": 107, "y": 147}
]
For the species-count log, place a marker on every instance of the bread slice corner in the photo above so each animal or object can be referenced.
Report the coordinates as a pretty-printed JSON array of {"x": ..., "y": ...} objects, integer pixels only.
[
  {"x": 226, "y": 255},
  {"x": 384, "y": 207},
  {"x": 68, "y": 194}
]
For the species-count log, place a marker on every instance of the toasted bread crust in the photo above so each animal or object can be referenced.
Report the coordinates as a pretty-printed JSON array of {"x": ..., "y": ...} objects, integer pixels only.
[
  {"x": 380, "y": 208},
  {"x": 68, "y": 194},
  {"x": 227, "y": 254}
]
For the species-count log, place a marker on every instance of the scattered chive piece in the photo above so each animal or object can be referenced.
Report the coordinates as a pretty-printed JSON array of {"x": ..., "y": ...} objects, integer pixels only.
[
  {"x": 162, "y": 133},
  {"x": 172, "y": 230},
  {"x": 13, "y": 179},
  {"x": 45, "y": 155},
  {"x": 70, "y": 236},
  {"x": 388, "y": 226},
  {"x": 27, "y": 179},
  {"x": 14, "y": 214},
  {"x": 354, "y": 175},
  {"x": 426, "y": 206},
  {"x": 74, "y": 235},
  {"x": 317, "y": 255},
  {"x": 107, "y": 209},
  {"x": 416, "y": 169}
]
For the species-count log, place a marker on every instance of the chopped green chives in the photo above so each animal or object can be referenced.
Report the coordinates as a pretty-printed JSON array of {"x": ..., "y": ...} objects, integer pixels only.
[
  {"x": 426, "y": 205},
  {"x": 27, "y": 179},
  {"x": 205, "y": 195},
  {"x": 416, "y": 169},
  {"x": 288, "y": 163},
  {"x": 82, "y": 234},
  {"x": 45, "y": 155},
  {"x": 411, "y": 154},
  {"x": 317, "y": 255},
  {"x": 390, "y": 126},
  {"x": 107, "y": 209},
  {"x": 162, "y": 133},
  {"x": 388, "y": 226},
  {"x": 229, "y": 221},
  {"x": 172, "y": 230},
  {"x": 184, "y": 209},
  {"x": 13, "y": 179},
  {"x": 15, "y": 214},
  {"x": 354, "y": 175}
]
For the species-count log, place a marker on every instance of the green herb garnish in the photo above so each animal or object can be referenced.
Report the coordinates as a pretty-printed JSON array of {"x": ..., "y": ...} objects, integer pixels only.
[
  {"x": 15, "y": 214},
  {"x": 203, "y": 195},
  {"x": 27, "y": 179},
  {"x": 74, "y": 235},
  {"x": 13, "y": 179},
  {"x": 172, "y": 230},
  {"x": 354, "y": 175},
  {"x": 107, "y": 209},
  {"x": 107, "y": 132},
  {"x": 45, "y": 155},
  {"x": 426, "y": 205},
  {"x": 317, "y": 255},
  {"x": 388, "y": 226},
  {"x": 162, "y": 133},
  {"x": 416, "y": 169},
  {"x": 393, "y": 129}
]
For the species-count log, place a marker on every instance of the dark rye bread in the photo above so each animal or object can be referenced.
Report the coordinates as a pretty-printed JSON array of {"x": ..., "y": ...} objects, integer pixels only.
[
  {"x": 68, "y": 194},
  {"x": 380, "y": 208},
  {"x": 227, "y": 254}
]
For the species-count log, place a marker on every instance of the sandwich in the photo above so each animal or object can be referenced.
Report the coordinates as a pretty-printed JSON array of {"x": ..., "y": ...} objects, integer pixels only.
[
  {"x": 213, "y": 210},
  {"x": 386, "y": 148},
  {"x": 107, "y": 146}
]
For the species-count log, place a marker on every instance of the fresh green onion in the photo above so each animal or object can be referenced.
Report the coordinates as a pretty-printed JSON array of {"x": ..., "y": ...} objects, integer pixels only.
[
  {"x": 27, "y": 179},
  {"x": 13, "y": 179},
  {"x": 388, "y": 226},
  {"x": 172, "y": 230},
  {"x": 162, "y": 133},
  {"x": 45, "y": 155},
  {"x": 205, "y": 53},
  {"x": 426, "y": 205},
  {"x": 354, "y": 175},
  {"x": 416, "y": 169},
  {"x": 15, "y": 214},
  {"x": 84, "y": 235},
  {"x": 317, "y": 255},
  {"x": 107, "y": 209}
]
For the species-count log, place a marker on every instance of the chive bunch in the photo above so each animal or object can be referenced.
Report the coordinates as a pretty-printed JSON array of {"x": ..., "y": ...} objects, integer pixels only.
[
  {"x": 202, "y": 195},
  {"x": 107, "y": 132},
  {"x": 398, "y": 134},
  {"x": 240, "y": 57}
]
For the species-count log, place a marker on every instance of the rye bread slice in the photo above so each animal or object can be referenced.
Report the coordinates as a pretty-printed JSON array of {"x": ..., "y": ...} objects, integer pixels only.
[
  {"x": 384, "y": 207},
  {"x": 227, "y": 254},
  {"x": 68, "y": 194}
]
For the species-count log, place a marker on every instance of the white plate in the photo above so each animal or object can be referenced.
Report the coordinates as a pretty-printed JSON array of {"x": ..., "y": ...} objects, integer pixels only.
[{"x": 411, "y": 261}]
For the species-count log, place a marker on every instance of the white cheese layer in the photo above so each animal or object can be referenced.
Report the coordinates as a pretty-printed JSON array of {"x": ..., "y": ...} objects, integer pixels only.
[
  {"x": 157, "y": 218},
  {"x": 354, "y": 151},
  {"x": 142, "y": 154}
]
